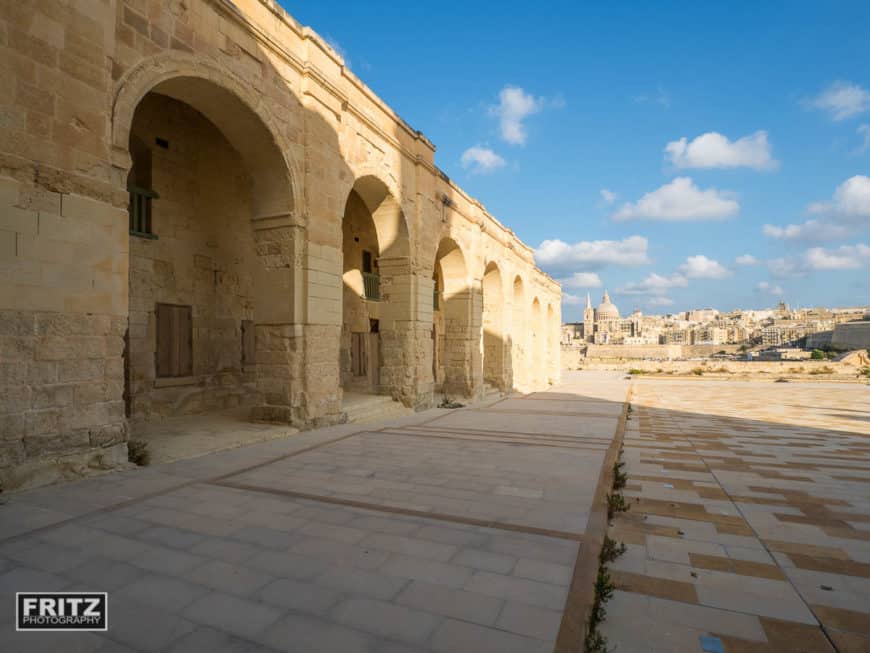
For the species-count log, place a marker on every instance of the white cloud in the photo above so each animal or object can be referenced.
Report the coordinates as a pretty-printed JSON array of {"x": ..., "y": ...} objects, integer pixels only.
[
  {"x": 514, "y": 106},
  {"x": 660, "y": 97},
  {"x": 713, "y": 150},
  {"x": 812, "y": 230},
  {"x": 481, "y": 160},
  {"x": 785, "y": 268},
  {"x": 557, "y": 254},
  {"x": 680, "y": 200},
  {"x": 851, "y": 199},
  {"x": 847, "y": 212},
  {"x": 607, "y": 196},
  {"x": 701, "y": 267},
  {"x": 841, "y": 100},
  {"x": 571, "y": 300},
  {"x": 581, "y": 280},
  {"x": 654, "y": 284},
  {"x": 864, "y": 132},
  {"x": 846, "y": 257},
  {"x": 769, "y": 288},
  {"x": 746, "y": 259},
  {"x": 660, "y": 301}
]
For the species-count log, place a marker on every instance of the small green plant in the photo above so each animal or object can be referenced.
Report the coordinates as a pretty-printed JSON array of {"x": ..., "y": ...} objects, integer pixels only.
[
  {"x": 636, "y": 372},
  {"x": 817, "y": 355},
  {"x": 138, "y": 454},
  {"x": 616, "y": 503},
  {"x": 698, "y": 371},
  {"x": 864, "y": 371},
  {"x": 620, "y": 478},
  {"x": 610, "y": 551}
]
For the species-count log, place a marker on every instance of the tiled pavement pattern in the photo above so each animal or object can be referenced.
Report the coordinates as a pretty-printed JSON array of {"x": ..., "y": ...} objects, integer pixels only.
[
  {"x": 749, "y": 519},
  {"x": 452, "y": 531}
]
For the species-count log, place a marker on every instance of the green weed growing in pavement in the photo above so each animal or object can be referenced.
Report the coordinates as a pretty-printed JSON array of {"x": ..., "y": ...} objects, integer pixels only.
[
  {"x": 610, "y": 551},
  {"x": 619, "y": 477}
]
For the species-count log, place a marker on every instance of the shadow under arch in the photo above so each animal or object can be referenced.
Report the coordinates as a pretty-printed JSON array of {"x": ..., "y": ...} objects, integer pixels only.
[
  {"x": 376, "y": 294},
  {"x": 229, "y": 258},
  {"x": 536, "y": 363},
  {"x": 519, "y": 336},
  {"x": 226, "y": 100},
  {"x": 493, "y": 340},
  {"x": 456, "y": 350}
]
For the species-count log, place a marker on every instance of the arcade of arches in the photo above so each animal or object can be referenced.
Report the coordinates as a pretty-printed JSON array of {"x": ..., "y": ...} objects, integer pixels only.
[{"x": 229, "y": 223}]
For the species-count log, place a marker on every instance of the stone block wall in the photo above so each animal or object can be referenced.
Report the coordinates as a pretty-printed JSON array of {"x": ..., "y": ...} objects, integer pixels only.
[{"x": 62, "y": 326}]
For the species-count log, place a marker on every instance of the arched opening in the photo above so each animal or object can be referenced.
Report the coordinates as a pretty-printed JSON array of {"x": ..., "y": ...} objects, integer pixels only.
[
  {"x": 518, "y": 335},
  {"x": 537, "y": 362},
  {"x": 375, "y": 248},
  {"x": 210, "y": 257},
  {"x": 451, "y": 322},
  {"x": 493, "y": 337}
]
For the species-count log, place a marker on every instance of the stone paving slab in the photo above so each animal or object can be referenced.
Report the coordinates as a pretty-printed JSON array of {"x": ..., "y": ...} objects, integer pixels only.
[
  {"x": 748, "y": 503},
  {"x": 376, "y": 538}
]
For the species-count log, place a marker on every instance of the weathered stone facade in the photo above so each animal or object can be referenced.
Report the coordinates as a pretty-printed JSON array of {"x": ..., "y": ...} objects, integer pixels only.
[{"x": 265, "y": 154}]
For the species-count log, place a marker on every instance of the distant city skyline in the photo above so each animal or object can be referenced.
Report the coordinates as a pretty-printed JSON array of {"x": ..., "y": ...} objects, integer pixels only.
[{"x": 737, "y": 180}]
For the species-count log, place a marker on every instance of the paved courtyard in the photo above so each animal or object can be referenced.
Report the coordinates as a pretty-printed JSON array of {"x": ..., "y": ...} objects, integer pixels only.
[
  {"x": 749, "y": 527},
  {"x": 444, "y": 531}
]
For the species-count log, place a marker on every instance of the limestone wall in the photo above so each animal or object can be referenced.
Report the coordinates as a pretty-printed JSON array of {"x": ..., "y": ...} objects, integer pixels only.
[{"x": 293, "y": 131}]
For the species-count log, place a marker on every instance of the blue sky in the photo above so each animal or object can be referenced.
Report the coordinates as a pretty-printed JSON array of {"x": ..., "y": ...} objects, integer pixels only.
[{"x": 565, "y": 119}]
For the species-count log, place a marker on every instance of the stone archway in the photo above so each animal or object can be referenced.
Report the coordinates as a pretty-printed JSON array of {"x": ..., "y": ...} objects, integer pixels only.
[
  {"x": 375, "y": 291},
  {"x": 493, "y": 331},
  {"x": 519, "y": 335},
  {"x": 453, "y": 341},
  {"x": 213, "y": 283},
  {"x": 537, "y": 343}
]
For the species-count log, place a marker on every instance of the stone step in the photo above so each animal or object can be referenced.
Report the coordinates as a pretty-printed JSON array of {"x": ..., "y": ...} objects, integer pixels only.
[{"x": 360, "y": 409}]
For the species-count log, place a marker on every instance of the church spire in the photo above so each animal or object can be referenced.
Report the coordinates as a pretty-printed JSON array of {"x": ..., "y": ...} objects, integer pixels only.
[
  {"x": 606, "y": 298},
  {"x": 588, "y": 300}
]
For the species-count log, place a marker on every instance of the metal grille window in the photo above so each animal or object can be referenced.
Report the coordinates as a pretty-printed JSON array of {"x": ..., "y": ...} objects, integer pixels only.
[{"x": 140, "y": 211}]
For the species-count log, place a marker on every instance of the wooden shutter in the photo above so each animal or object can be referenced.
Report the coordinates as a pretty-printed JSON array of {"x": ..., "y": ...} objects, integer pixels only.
[
  {"x": 249, "y": 343},
  {"x": 358, "y": 353},
  {"x": 174, "y": 340}
]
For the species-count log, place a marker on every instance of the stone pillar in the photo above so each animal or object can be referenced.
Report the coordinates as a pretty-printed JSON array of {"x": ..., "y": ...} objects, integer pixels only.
[
  {"x": 398, "y": 329},
  {"x": 278, "y": 293}
]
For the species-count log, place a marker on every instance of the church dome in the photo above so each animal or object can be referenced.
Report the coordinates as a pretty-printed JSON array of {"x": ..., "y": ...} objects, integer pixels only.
[{"x": 606, "y": 309}]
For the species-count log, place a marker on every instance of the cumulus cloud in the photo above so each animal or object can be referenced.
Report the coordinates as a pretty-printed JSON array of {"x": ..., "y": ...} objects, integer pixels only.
[
  {"x": 845, "y": 257},
  {"x": 571, "y": 300},
  {"x": 592, "y": 254},
  {"x": 514, "y": 106},
  {"x": 701, "y": 267},
  {"x": 581, "y": 280},
  {"x": 841, "y": 100},
  {"x": 660, "y": 301},
  {"x": 847, "y": 212},
  {"x": 654, "y": 284},
  {"x": 680, "y": 200},
  {"x": 769, "y": 288},
  {"x": 851, "y": 199},
  {"x": 608, "y": 197},
  {"x": 746, "y": 259},
  {"x": 713, "y": 150},
  {"x": 812, "y": 230},
  {"x": 481, "y": 160}
]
